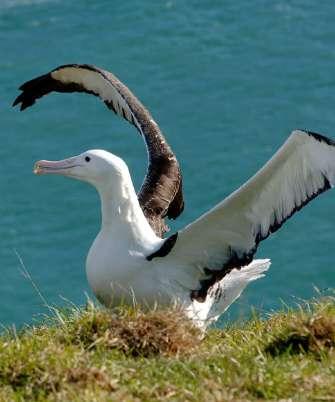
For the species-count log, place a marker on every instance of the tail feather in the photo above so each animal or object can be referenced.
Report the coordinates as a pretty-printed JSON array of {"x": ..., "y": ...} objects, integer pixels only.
[{"x": 225, "y": 292}]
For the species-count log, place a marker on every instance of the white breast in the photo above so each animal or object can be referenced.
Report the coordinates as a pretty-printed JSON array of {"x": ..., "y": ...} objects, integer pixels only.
[{"x": 118, "y": 271}]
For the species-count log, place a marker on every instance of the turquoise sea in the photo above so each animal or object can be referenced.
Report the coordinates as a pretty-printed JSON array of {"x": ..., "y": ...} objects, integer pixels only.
[{"x": 226, "y": 80}]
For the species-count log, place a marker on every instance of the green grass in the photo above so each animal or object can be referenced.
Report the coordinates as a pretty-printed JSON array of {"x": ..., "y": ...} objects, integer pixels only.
[{"x": 129, "y": 355}]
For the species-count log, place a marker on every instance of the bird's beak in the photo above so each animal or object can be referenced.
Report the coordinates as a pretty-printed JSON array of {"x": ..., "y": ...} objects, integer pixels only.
[{"x": 63, "y": 167}]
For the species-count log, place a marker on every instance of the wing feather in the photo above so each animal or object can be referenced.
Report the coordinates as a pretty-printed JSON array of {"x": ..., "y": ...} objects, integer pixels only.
[
  {"x": 227, "y": 236},
  {"x": 162, "y": 185}
]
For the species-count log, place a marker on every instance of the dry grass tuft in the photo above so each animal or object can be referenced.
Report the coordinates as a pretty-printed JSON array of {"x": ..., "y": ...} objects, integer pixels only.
[
  {"x": 305, "y": 334},
  {"x": 137, "y": 333}
]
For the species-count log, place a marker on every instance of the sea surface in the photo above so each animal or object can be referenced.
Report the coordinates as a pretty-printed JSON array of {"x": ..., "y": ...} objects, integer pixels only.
[{"x": 226, "y": 80}]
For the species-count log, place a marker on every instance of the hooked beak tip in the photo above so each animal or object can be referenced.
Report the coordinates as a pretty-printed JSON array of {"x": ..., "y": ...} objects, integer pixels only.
[{"x": 37, "y": 168}]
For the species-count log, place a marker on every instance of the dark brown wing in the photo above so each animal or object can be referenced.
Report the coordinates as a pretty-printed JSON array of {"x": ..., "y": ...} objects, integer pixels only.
[{"x": 161, "y": 193}]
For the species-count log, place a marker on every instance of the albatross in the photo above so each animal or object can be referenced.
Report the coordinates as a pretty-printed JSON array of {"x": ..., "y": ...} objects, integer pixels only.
[{"x": 206, "y": 265}]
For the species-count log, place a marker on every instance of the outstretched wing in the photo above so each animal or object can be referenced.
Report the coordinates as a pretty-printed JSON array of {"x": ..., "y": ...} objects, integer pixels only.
[
  {"x": 161, "y": 192},
  {"x": 227, "y": 236}
]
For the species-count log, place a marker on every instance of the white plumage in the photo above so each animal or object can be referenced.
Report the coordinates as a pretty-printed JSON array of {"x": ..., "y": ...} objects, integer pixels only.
[
  {"x": 211, "y": 261},
  {"x": 205, "y": 266}
]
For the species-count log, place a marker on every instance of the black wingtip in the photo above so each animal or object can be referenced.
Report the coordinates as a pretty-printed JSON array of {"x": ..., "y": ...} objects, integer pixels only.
[
  {"x": 20, "y": 100},
  {"x": 319, "y": 137},
  {"x": 16, "y": 102},
  {"x": 23, "y": 101}
]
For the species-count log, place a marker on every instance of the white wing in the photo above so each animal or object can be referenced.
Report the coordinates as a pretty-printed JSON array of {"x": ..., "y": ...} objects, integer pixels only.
[{"x": 227, "y": 236}]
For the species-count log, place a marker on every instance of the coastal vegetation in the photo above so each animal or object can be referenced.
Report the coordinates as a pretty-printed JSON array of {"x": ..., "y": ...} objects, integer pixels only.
[{"x": 91, "y": 354}]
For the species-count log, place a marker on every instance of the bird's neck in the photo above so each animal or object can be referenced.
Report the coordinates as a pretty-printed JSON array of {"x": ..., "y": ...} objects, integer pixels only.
[{"x": 121, "y": 213}]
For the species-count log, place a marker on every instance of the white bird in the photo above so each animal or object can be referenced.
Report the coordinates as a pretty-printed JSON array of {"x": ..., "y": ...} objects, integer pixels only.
[{"x": 206, "y": 265}]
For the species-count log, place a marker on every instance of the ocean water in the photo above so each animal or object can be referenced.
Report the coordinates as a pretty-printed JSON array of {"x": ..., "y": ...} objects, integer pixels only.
[{"x": 227, "y": 81}]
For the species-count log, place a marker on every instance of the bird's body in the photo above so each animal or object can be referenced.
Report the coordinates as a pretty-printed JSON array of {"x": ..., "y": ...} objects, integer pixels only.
[
  {"x": 205, "y": 266},
  {"x": 117, "y": 266}
]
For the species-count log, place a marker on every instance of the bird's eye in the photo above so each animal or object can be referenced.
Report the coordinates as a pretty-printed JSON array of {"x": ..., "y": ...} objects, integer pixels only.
[{"x": 87, "y": 158}]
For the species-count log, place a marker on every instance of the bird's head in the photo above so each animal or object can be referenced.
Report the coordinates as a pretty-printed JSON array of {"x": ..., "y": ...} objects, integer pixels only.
[{"x": 96, "y": 167}]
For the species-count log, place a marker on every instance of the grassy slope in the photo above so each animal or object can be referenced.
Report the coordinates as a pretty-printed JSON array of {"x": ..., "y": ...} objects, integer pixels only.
[{"x": 92, "y": 355}]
